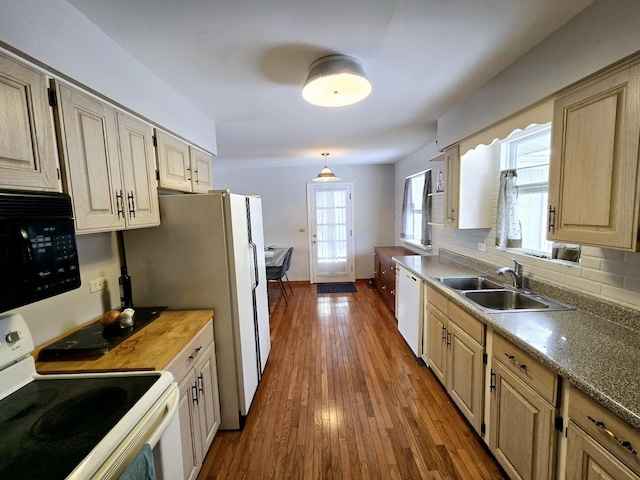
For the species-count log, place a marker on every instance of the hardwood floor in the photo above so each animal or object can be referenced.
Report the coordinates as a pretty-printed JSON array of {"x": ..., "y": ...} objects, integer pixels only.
[{"x": 343, "y": 397}]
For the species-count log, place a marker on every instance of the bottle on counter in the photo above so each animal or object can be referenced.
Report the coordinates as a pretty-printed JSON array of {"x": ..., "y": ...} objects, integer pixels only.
[{"x": 126, "y": 297}]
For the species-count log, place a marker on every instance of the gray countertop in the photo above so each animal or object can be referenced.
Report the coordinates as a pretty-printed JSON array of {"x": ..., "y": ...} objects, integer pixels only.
[{"x": 597, "y": 356}]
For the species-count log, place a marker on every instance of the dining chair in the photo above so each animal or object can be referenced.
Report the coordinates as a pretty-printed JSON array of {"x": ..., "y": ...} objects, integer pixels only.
[{"x": 276, "y": 274}]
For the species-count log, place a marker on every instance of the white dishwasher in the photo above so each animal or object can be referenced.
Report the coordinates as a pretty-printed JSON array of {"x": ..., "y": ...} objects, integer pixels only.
[{"x": 409, "y": 308}]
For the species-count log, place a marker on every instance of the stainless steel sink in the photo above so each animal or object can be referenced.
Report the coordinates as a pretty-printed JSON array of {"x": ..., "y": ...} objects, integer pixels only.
[
  {"x": 469, "y": 283},
  {"x": 511, "y": 300}
]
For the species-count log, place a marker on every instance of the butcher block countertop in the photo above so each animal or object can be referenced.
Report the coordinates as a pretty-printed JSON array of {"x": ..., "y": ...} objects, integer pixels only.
[{"x": 151, "y": 348}]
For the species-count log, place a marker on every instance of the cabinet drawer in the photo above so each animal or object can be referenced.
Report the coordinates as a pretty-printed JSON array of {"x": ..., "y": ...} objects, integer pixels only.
[
  {"x": 438, "y": 300},
  {"x": 186, "y": 359},
  {"x": 532, "y": 372},
  {"x": 468, "y": 324},
  {"x": 613, "y": 433}
]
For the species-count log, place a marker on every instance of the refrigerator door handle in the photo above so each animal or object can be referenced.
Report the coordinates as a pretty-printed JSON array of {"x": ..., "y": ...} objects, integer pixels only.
[{"x": 254, "y": 270}]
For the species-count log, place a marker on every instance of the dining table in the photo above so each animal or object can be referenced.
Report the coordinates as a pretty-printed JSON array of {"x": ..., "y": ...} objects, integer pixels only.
[{"x": 274, "y": 257}]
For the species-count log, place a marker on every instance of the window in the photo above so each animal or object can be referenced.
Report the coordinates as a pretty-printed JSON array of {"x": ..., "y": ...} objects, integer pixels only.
[
  {"x": 527, "y": 152},
  {"x": 416, "y": 209}
]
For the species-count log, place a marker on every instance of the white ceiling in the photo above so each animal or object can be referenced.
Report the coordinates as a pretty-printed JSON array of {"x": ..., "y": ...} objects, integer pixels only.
[{"x": 243, "y": 63}]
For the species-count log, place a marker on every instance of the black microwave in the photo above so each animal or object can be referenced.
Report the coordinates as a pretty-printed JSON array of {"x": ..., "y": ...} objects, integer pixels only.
[{"x": 38, "y": 255}]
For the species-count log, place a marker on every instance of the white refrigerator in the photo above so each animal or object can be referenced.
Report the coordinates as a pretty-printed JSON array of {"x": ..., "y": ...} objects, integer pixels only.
[{"x": 208, "y": 253}]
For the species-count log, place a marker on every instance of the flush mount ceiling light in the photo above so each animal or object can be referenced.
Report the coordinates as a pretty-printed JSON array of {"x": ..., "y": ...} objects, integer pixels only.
[
  {"x": 325, "y": 174},
  {"x": 336, "y": 81}
]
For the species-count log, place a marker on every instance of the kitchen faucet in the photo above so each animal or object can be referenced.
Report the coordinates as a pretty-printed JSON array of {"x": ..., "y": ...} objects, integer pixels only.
[{"x": 516, "y": 273}]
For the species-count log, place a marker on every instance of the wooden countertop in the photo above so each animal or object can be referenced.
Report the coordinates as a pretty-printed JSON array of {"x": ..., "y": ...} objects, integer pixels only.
[{"x": 151, "y": 348}]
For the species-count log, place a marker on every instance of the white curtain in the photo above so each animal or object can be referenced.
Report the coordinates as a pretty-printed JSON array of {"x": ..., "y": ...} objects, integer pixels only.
[
  {"x": 426, "y": 210},
  {"x": 508, "y": 230}
]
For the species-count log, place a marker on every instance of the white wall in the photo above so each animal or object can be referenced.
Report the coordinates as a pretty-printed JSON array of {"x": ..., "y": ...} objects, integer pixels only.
[
  {"x": 54, "y": 33},
  {"x": 98, "y": 257},
  {"x": 601, "y": 34},
  {"x": 284, "y": 203}
]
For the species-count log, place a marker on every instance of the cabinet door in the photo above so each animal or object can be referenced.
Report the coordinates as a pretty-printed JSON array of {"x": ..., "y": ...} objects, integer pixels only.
[
  {"x": 588, "y": 460},
  {"x": 521, "y": 427},
  {"x": 27, "y": 145},
  {"x": 174, "y": 163},
  {"x": 437, "y": 338},
  {"x": 139, "y": 171},
  {"x": 593, "y": 177},
  {"x": 189, "y": 428},
  {"x": 91, "y": 160},
  {"x": 452, "y": 164},
  {"x": 464, "y": 374},
  {"x": 201, "y": 180},
  {"x": 208, "y": 401}
]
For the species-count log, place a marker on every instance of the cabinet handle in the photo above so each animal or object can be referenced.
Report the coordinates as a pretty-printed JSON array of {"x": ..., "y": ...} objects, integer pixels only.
[
  {"x": 384, "y": 272},
  {"x": 492, "y": 385},
  {"x": 194, "y": 387},
  {"x": 132, "y": 205},
  {"x": 384, "y": 287},
  {"x": 195, "y": 353},
  {"x": 448, "y": 339},
  {"x": 201, "y": 384},
  {"x": 453, "y": 212},
  {"x": 196, "y": 172},
  {"x": 120, "y": 204},
  {"x": 189, "y": 173},
  {"x": 552, "y": 222},
  {"x": 444, "y": 333},
  {"x": 513, "y": 359},
  {"x": 624, "y": 443},
  {"x": 393, "y": 292}
]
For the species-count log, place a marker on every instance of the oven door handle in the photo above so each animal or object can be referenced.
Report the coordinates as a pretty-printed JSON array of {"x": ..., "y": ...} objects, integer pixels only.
[{"x": 172, "y": 408}]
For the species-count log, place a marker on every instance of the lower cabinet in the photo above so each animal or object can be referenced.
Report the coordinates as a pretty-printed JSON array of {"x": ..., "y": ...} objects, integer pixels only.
[
  {"x": 199, "y": 409},
  {"x": 599, "y": 444},
  {"x": 384, "y": 270},
  {"x": 455, "y": 346},
  {"x": 522, "y": 434}
]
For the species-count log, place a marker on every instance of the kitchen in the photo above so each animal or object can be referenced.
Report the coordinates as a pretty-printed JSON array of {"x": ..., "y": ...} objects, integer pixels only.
[{"x": 608, "y": 274}]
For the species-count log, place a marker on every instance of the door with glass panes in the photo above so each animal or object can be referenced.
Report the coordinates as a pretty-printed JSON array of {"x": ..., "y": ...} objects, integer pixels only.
[{"x": 330, "y": 222}]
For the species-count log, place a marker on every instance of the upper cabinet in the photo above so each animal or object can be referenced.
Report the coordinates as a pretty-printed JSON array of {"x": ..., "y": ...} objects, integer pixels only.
[
  {"x": 594, "y": 189},
  {"x": 27, "y": 146},
  {"x": 109, "y": 165},
  {"x": 468, "y": 190},
  {"x": 182, "y": 167}
]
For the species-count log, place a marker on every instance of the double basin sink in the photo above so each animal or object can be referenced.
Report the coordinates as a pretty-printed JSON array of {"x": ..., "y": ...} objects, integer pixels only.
[{"x": 493, "y": 297}]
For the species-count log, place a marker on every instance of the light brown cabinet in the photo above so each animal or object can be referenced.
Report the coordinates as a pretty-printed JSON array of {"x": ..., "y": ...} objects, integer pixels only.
[
  {"x": 384, "y": 271},
  {"x": 27, "y": 143},
  {"x": 455, "y": 346},
  {"x": 181, "y": 166},
  {"x": 194, "y": 368},
  {"x": 599, "y": 444},
  {"x": 594, "y": 181},
  {"x": 468, "y": 192},
  {"x": 109, "y": 166},
  {"x": 522, "y": 415}
]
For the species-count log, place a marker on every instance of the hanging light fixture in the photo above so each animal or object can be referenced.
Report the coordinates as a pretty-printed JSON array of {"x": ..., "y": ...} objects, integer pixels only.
[
  {"x": 336, "y": 81},
  {"x": 325, "y": 174}
]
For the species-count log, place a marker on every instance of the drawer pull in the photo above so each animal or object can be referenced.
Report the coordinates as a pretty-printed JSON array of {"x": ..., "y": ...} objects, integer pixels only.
[
  {"x": 492, "y": 376},
  {"x": 448, "y": 339},
  {"x": 624, "y": 443},
  {"x": 444, "y": 333},
  {"x": 195, "y": 353},
  {"x": 513, "y": 359}
]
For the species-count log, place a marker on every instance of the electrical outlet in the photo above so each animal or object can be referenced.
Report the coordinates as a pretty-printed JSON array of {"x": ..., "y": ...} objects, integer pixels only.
[
  {"x": 98, "y": 284},
  {"x": 482, "y": 246}
]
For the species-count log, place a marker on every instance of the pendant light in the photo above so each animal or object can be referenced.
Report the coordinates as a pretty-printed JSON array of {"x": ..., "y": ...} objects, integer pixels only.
[
  {"x": 325, "y": 174},
  {"x": 336, "y": 81}
]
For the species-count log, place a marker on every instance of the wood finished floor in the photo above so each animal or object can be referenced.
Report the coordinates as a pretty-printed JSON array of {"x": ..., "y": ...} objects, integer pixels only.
[{"x": 343, "y": 397}]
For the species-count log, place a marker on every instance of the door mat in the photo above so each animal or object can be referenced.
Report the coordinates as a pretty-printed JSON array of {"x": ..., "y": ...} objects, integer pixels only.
[{"x": 337, "y": 288}]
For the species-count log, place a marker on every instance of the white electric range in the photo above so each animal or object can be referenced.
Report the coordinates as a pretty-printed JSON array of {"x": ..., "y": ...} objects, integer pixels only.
[{"x": 80, "y": 426}]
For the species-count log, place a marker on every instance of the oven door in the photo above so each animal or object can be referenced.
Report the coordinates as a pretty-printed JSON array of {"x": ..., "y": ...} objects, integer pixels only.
[{"x": 161, "y": 419}]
